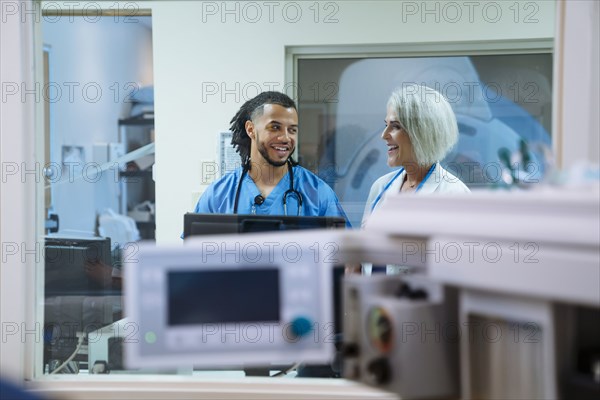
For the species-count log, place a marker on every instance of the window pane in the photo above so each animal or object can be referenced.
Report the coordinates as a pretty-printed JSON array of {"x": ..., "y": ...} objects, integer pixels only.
[
  {"x": 502, "y": 103},
  {"x": 99, "y": 75}
]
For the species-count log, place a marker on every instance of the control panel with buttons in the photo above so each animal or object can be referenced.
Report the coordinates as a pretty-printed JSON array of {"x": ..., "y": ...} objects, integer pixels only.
[
  {"x": 242, "y": 300},
  {"x": 398, "y": 335}
]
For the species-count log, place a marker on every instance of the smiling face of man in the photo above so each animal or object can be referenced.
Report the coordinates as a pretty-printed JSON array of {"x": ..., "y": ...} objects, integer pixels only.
[{"x": 273, "y": 135}]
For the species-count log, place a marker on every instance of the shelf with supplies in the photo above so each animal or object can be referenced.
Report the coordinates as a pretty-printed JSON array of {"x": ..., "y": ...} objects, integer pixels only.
[
  {"x": 145, "y": 118},
  {"x": 134, "y": 174},
  {"x": 137, "y": 184}
]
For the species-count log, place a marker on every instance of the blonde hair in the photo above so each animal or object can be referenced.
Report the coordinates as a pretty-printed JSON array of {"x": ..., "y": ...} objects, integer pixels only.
[{"x": 428, "y": 119}]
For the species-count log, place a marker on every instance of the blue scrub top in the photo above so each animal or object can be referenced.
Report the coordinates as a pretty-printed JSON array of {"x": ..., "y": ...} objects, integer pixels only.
[{"x": 318, "y": 199}]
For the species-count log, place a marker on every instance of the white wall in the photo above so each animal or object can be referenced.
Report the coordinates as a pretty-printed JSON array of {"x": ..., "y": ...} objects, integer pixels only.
[
  {"x": 577, "y": 79},
  {"x": 193, "y": 48},
  {"x": 87, "y": 54},
  {"x": 17, "y": 198}
]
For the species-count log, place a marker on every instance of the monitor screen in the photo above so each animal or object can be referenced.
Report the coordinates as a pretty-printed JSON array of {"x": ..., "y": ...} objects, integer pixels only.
[
  {"x": 223, "y": 296},
  {"x": 65, "y": 262},
  {"x": 214, "y": 224}
]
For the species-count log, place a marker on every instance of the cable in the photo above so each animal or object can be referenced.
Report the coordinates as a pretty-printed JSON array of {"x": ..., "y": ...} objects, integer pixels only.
[
  {"x": 61, "y": 366},
  {"x": 287, "y": 371}
]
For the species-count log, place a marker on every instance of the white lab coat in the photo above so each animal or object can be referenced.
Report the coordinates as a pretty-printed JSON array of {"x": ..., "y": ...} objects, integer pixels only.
[{"x": 440, "y": 181}]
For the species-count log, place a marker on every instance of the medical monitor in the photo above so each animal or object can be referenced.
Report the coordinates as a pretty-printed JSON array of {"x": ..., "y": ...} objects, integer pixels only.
[
  {"x": 207, "y": 304},
  {"x": 213, "y": 224}
]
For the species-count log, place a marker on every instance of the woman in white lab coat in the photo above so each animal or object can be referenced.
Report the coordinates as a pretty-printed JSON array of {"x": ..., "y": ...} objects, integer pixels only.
[{"x": 420, "y": 129}]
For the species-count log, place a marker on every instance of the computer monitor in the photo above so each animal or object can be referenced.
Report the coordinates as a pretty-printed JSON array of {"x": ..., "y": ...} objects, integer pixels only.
[
  {"x": 214, "y": 224},
  {"x": 65, "y": 265},
  {"x": 77, "y": 297}
]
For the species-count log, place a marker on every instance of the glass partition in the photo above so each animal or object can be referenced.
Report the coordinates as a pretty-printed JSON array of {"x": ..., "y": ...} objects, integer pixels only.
[
  {"x": 100, "y": 153},
  {"x": 99, "y": 107},
  {"x": 503, "y": 105}
]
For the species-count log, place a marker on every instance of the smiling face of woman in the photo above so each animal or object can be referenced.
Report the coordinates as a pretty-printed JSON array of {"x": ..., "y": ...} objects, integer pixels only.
[{"x": 400, "y": 151}]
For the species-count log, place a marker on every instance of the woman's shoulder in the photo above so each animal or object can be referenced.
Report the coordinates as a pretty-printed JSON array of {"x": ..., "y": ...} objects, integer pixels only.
[
  {"x": 451, "y": 183},
  {"x": 384, "y": 179}
]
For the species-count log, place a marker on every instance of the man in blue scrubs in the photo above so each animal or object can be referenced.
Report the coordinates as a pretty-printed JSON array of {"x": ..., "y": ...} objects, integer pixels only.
[{"x": 265, "y": 131}]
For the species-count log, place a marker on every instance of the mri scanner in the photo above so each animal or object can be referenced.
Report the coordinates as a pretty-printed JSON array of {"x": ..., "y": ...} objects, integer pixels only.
[{"x": 489, "y": 123}]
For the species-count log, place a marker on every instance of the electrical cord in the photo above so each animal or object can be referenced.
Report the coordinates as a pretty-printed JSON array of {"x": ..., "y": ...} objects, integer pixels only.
[
  {"x": 68, "y": 360},
  {"x": 285, "y": 372}
]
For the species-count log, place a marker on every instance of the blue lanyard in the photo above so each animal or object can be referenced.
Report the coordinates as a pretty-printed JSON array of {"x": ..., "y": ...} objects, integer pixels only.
[
  {"x": 386, "y": 187},
  {"x": 400, "y": 171}
]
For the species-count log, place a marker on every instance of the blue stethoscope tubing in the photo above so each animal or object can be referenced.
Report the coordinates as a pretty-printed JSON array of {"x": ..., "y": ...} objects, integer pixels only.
[
  {"x": 290, "y": 191},
  {"x": 400, "y": 171}
]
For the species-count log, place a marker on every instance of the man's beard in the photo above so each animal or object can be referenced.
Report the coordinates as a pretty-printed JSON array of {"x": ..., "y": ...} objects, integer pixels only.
[{"x": 265, "y": 153}]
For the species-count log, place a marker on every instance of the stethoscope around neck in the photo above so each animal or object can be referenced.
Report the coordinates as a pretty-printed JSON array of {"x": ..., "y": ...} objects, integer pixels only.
[{"x": 258, "y": 200}]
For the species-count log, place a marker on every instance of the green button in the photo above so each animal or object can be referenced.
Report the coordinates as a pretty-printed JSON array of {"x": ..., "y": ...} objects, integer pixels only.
[{"x": 150, "y": 337}]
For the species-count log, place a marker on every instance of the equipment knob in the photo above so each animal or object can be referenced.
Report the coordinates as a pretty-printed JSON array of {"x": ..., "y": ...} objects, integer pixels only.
[
  {"x": 380, "y": 370},
  {"x": 301, "y": 326}
]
